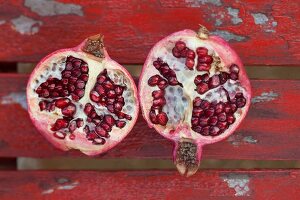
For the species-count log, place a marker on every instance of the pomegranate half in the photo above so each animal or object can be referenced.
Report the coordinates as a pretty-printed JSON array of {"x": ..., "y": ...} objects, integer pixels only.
[
  {"x": 194, "y": 91},
  {"x": 79, "y": 98}
]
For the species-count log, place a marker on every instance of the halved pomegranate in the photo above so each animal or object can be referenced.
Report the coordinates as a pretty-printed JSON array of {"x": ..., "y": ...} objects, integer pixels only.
[
  {"x": 200, "y": 93},
  {"x": 79, "y": 98}
]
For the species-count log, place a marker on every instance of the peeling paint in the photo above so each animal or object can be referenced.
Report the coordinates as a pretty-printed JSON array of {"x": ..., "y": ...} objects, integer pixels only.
[
  {"x": 265, "y": 97},
  {"x": 274, "y": 24},
  {"x": 260, "y": 18},
  {"x": 239, "y": 182},
  {"x": 49, "y": 191},
  {"x": 2, "y": 22},
  {"x": 218, "y": 22},
  {"x": 250, "y": 140},
  {"x": 198, "y": 3},
  {"x": 52, "y": 8},
  {"x": 15, "y": 97},
  {"x": 238, "y": 139},
  {"x": 229, "y": 36},
  {"x": 61, "y": 187},
  {"x": 26, "y": 25},
  {"x": 234, "y": 13}
]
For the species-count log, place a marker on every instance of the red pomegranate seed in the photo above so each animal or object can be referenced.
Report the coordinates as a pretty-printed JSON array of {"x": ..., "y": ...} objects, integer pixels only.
[
  {"x": 202, "y": 88},
  {"x": 61, "y": 103},
  {"x": 80, "y": 84},
  {"x": 183, "y": 53},
  {"x": 230, "y": 119},
  {"x": 203, "y": 121},
  {"x": 76, "y": 62},
  {"x": 118, "y": 106},
  {"x": 162, "y": 118},
  {"x": 59, "y": 135},
  {"x": 205, "y": 131},
  {"x": 94, "y": 96},
  {"x": 109, "y": 120},
  {"x": 162, "y": 84},
  {"x": 69, "y": 111},
  {"x": 158, "y": 62},
  {"x": 108, "y": 84},
  {"x": 84, "y": 77},
  {"x": 209, "y": 112},
  {"x": 96, "y": 121},
  {"x": 227, "y": 108},
  {"x": 233, "y": 107},
  {"x": 222, "y": 117},
  {"x": 173, "y": 81},
  {"x": 101, "y": 79},
  {"x": 197, "y": 129},
  {"x": 205, "y": 59},
  {"x": 214, "y": 130},
  {"x": 76, "y": 73},
  {"x": 190, "y": 54},
  {"x": 165, "y": 70},
  {"x": 213, "y": 120},
  {"x": 72, "y": 126},
  {"x": 197, "y": 112},
  {"x": 201, "y": 51},
  {"x": 153, "y": 80},
  {"x": 222, "y": 125},
  {"x": 214, "y": 81},
  {"x": 111, "y": 94},
  {"x": 119, "y": 90},
  {"x": 205, "y": 104},
  {"x": 241, "y": 102},
  {"x": 189, "y": 63},
  {"x": 91, "y": 135},
  {"x": 180, "y": 45},
  {"x": 69, "y": 66},
  {"x": 194, "y": 121},
  {"x": 223, "y": 76},
  {"x": 71, "y": 88},
  {"x": 233, "y": 76},
  {"x": 84, "y": 68},
  {"x": 153, "y": 117},
  {"x": 86, "y": 129},
  {"x": 234, "y": 69},
  {"x": 197, "y": 102},
  {"x": 176, "y": 53},
  {"x": 106, "y": 127},
  {"x": 99, "y": 141},
  {"x": 128, "y": 117},
  {"x": 100, "y": 131},
  {"x": 158, "y": 94},
  {"x": 219, "y": 108},
  {"x": 60, "y": 123},
  {"x": 159, "y": 102},
  {"x": 110, "y": 108},
  {"x": 66, "y": 74},
  {"x": 88, "y": 108},
  {"x": 203, "y": 67},
  {"x": 45, "y": 93},
  {"x": 198, "y": 80},
  {"x": 120, "y": 124},
  {"x": 79, "y": 122},
  {"x": 120, "y": 99},
  {"x": 75, "y": 97},
  {"x": 42, "y": 105}
]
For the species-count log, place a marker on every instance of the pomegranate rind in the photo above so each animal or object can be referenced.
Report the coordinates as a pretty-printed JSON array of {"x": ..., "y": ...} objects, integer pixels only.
[
  {"x": 228, "y": 56},
  {"x": 43, "y": 121}
]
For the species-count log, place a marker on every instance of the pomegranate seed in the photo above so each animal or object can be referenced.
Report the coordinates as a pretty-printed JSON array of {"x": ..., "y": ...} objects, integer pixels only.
[
  {"x": 219, "y": 108},
  {"x": 157, "y": 63},
  {"x": 180, "y": 45},
  {"x": 118, "y": 106},
  {"x": 91, "y": 135},
  {"x": 214, "y": 81},
  {"x": 110, "y": 101},
  {"x": 190, "y": 54},
  {"x": 222, "y": 117},
  {"x": 60, "y": 123},
  {"x": 100, "y": 131},
  {"x": 197, "y": 129},
  {"x": 239, "y": 95},
  {"x": 205, "y": 59},
  {"x": 45, "y": 93},
  {"x": 158, "y": 94},
  {"x": 165, "y": 70},
  {"x": 72, "y": 80},
  {"x": 52, "y": 107},
  {"x": 202, "y": 88},
  {"x": 42, "y": 105},
  {"x": 197, "y": 101},
  {"x": 59, "y": 135},
  {"x": 233, "y": 107},
  {"x": 100, "y": 89},
  {"x": 69, "y": 111},
  {"x": 69, "y": 66},
  {"x": 111, "y": 94},
  {"x": 203, "y": 121},
  {"x": 153, "y": 80},
  {"x": 173, "y": 81},
  {"x": 209, "y": 112},
  {"x": 120, "y": 99},
  {"x": 96, "y": 121},
  {"x": 86, "y": 129},
  {"x": 61, "y": 103},
  {"x": 84, "y": 68},
  {"x": 88, "y": 108},
  {"x": 106, "y": 127},
  {"x": 110, "y": 108},
  {"x": 203, "y": 67},
  {"x": 162, "y": 118},
  {"x": 80, "y": 84},
  {"x": 75, "y": 97},
  {"x": 241, "y": 102},
  {"x": 176, "y": 53},
  {"x": 234, "y": 69},
  {"x": 189, "y": 63},
  {"x": 223, "y": 76},
  {"x": 213, "y": 120},
  {"x": 39, "y": 90},
  {"x": 201, "y": 51},
  {"x": 99, "y": 141},
  {"x": 94, "y": 96},
  {"x": 71, "y": 88},
  {"x": 72, "y": 126},
  {"x": 76, "y": 73},
  {"x": 159, "y": 102},
  {"x": 101, "y": 79},
  {"x": 194, "y": 121},
  {"x": 205, "y": 131},
  {"x": 153, "y": 117},
  {"x": 205, "y": 104},
  {"x": 128, "y": 117},
  {"x": 198, "y": 80},
  {"x": 222, "y": 125},
  {"x": 233, "y": 76},
  {"x": 230, "y": 119},
  {"x": 120, "y": 124},
  {"x": 119, "y": 90},
  {"x": 66, "y": 74},
  {"x": 79, "y": 123},
  {"x": 72, "y": 136},
  {"x": 197, "y": 112},
  {"x": 214, "y": 130},
  {"x": 183, "y": 53},
  {"x": 84, "y": 77},
  {"x": 162, "y": 84},
  {"x": 108, "y": 85},
  {"x": 109, "y": 120},
  {"x": 76, "y": 62}
]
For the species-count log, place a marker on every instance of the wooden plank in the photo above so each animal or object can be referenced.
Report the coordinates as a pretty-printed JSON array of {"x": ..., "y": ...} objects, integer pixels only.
[
  {"x": 210, "y": 184},
  {"x": 270, "y": 130},
  {"x": 261, "y": 32}
]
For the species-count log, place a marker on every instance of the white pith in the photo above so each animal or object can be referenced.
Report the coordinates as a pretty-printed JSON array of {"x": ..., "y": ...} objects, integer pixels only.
[
  {"x": 183, "y": 109},
  {"x": 44, "y": 119}
]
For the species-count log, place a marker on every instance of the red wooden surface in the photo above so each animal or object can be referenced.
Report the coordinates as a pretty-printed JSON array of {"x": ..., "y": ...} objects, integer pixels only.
[
  {"x": 270, "y": 131},
  {"x": 262, "y": 32},
  {"x": 168, "y": 185}
]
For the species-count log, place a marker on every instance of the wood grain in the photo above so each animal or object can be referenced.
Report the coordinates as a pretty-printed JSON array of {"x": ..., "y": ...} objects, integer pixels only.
[
  {"x": 169, "y": 185},
  {"x": 269, "y": 132},
  {"x": 264, "y": 33}
]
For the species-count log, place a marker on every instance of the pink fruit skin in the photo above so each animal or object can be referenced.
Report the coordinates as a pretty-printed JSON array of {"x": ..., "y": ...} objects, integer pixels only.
[
  {"x": 80, "y": 142},
  {"x": 229, "y": 56}
]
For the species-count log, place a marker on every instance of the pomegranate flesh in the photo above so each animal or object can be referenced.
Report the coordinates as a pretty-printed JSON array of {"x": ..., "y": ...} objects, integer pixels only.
[
  {"x": 200, "y": 93},
  {"x": 79, "y": 98}
]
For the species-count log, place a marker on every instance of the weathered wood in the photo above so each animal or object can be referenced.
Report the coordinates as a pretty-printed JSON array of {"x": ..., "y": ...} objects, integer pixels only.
[
  {"x": 210, "y": 184},
  {"x": 270, "y": 131},
  {"x": 262, "y": 32}
]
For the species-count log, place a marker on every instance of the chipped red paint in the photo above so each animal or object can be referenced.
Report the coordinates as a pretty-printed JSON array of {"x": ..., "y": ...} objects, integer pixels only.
[
  {"x": 169, "y": 185},
  {"x": 270, "y": 131},
  {"x": 262, "y": 32}
]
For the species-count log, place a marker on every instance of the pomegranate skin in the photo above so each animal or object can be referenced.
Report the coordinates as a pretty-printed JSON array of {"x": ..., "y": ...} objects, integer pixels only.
[
  {"x": 181, "y": 132},
  {"x": 78, "y": 139}
]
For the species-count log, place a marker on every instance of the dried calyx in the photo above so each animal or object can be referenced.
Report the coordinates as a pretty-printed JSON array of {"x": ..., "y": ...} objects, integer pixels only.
[{"x": 200, "y": 93}]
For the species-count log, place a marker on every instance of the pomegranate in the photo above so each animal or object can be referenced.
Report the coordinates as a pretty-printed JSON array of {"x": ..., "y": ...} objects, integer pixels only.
[
  {"x": 79, "y": 98},
  {"x": 200, "y": 93}
]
